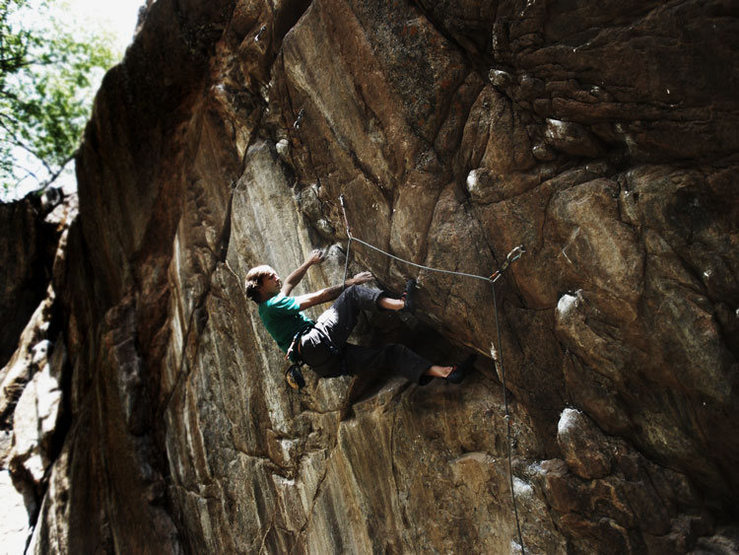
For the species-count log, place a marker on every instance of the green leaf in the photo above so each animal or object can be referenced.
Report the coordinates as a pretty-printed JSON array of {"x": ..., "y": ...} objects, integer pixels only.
[{"x": 46, "y": 79}]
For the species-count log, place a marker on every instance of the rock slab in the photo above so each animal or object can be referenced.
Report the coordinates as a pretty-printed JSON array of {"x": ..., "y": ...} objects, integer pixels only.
[{"x": 602, "y": 137}]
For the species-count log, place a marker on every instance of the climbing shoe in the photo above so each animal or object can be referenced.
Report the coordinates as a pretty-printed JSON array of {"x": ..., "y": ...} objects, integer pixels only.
[
  {"x": 409, "y": 296},
  {"x": 459, "y": 371},
  {"x": 294, "y": 377}
]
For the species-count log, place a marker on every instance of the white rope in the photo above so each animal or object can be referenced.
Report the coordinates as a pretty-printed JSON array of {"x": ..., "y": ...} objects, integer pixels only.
[{"x": 421, "y": 266}]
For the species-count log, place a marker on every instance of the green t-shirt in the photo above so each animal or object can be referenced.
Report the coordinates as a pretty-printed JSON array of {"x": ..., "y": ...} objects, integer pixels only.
[{"x": 282, "y": 318}]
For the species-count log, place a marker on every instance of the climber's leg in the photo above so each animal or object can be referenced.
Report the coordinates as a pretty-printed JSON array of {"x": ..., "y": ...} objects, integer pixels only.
[
  {"x": 337, "y": 322},
  {"x": 398, "y": 359},
  {"x": 388, "y": 303},
  {"x": 321, "y": 346}
]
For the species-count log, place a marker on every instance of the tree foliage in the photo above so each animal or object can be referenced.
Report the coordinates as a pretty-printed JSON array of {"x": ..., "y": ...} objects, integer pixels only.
[{"x": 48, "y": 70}]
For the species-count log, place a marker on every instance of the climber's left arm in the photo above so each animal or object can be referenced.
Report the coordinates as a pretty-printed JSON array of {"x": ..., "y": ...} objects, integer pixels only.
[{"x": 316, "y": 257}]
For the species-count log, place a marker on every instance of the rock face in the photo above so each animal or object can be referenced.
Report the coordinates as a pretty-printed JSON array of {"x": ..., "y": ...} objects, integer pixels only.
[
  {"x": 27, "y": 247},
  {"x": 601, "y": 136},
  {"x": 32, "y": 420}
]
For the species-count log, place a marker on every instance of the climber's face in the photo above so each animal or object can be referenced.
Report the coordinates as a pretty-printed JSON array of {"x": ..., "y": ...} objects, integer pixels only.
[{"x": 271, "y": 285}]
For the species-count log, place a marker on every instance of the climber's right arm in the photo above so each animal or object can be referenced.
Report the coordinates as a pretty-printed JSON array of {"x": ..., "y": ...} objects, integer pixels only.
[{"x": 330, "y": 293}]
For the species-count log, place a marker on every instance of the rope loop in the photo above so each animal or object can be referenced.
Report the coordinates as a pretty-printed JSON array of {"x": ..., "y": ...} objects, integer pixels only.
[{"x": 514, "y": 255}]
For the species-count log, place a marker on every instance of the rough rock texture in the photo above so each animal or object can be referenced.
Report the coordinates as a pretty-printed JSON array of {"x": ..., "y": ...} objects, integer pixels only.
[
  {"x": 27, "y": 246},
  {"x": 602, "y": 136},
  {"x": 32, "y": 423}
]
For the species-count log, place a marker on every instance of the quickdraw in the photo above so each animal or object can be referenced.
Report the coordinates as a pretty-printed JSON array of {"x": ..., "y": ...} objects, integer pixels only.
[{"x": 515, "y": 254}]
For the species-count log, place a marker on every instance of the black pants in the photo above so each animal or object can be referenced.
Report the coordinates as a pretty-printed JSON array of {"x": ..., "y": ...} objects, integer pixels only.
[{"x": 323, "y": 346}]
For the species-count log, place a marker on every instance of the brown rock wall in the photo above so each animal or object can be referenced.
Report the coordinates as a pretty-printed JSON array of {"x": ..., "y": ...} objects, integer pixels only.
[{"x": 603, "y": 137}]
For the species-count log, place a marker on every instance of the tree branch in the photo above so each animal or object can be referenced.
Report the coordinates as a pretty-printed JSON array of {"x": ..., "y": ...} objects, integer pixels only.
[{"x": 56, "y": 175}]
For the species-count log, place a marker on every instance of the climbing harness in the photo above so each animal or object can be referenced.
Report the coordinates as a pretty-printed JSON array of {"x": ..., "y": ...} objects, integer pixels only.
[
  {"x": 294, "y": 374},
  {"x": 515, "y": 254}
]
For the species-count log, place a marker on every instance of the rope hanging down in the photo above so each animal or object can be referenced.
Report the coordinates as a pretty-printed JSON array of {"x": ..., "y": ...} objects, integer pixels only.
[{"x": 514, "y": 255}]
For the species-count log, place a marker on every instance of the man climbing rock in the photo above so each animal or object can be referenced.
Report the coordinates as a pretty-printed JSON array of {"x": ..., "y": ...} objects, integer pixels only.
[{"x": 323, "y": 344}]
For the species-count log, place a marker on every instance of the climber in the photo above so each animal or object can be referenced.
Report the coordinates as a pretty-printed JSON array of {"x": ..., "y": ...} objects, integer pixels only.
[{"x": 323, "y": 344}]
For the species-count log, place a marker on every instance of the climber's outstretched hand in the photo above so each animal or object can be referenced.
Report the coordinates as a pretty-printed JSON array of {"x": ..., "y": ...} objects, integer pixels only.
[
  {"x": 360, "y": 278},
  {"x": 316, "y": 257}
]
